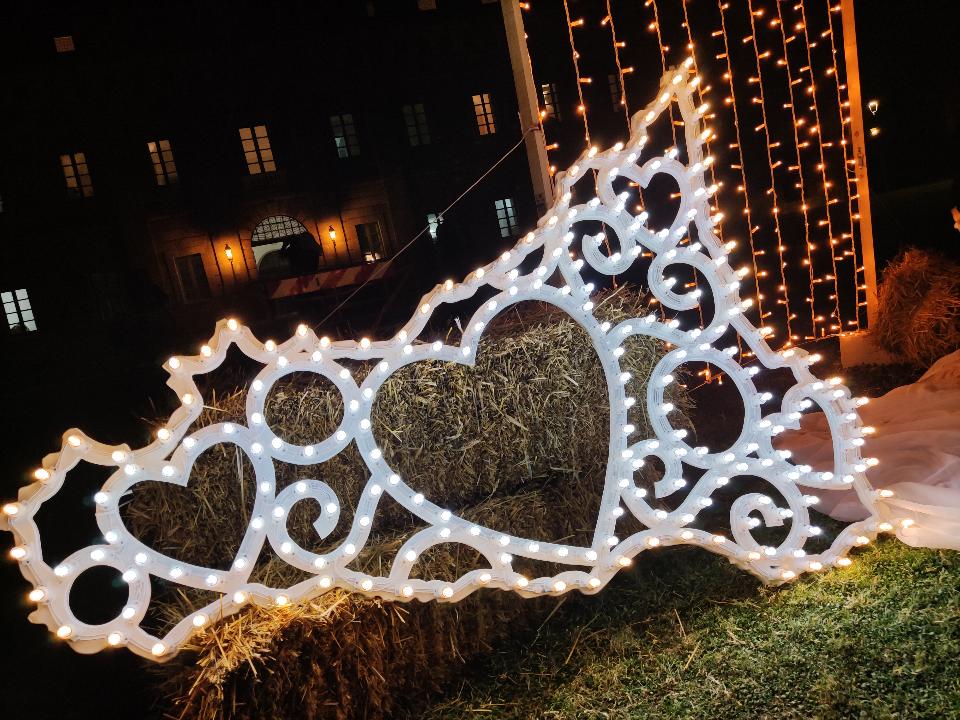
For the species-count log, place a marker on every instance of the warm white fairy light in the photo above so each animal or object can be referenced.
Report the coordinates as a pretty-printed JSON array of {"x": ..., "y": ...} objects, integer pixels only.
[
  {"x": 769, "y": 145},
  {"x": 798, "y": 169},
  {"x": 170, "y": 457},
  {"x": 581, "y": 107},
  {"x": 743, "y": 188},
  {"x": 787, "y": 43}
]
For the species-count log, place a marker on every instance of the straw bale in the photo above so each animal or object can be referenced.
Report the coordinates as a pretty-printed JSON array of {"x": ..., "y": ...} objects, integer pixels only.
[
  {"x": 919, "y": 307},
  {"x": 517, "y": 443}
]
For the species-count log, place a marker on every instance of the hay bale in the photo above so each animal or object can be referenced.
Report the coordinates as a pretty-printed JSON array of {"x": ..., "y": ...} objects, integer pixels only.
[
  {"x": 919, "y": 307},
  {"x": 494, "y": 442}
]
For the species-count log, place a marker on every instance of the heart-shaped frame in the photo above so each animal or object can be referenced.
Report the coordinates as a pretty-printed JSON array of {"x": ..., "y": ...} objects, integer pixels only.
[{"x": 170, "y": 457}]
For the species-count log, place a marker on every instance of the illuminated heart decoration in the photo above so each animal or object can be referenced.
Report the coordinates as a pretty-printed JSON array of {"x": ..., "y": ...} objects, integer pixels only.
[{"x": 170, "y": 456}]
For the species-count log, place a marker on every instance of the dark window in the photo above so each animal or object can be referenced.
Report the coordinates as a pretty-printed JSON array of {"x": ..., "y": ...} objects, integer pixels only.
[
  {"x": 370, "y": 240},
  {"x": 345, "y": 135},
  {"x": 164, "y": 168},
  {"x": 616, "y": 97},
  {"x": 550, "y": 106},
  {"x": 416, "y": 120},
  {"x": 77, "y": 175},
  {"x": 19, "y": 313},
  {"x": 193, "y": 278},
  {"x": 107, "y": 289}
]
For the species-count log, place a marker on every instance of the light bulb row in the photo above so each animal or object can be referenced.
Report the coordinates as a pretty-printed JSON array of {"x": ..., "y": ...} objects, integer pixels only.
[{"x": 169, "y": 457}]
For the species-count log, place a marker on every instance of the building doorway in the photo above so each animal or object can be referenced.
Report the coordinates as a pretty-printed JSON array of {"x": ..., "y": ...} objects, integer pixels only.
[{"x": 283, "y": 247}]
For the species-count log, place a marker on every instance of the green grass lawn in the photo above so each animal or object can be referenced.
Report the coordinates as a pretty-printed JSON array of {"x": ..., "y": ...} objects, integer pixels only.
[{"x": 683, "y": 634}]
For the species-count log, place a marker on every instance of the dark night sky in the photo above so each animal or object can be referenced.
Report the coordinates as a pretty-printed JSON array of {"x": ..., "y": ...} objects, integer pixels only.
[{"x": 910, "y": 62}]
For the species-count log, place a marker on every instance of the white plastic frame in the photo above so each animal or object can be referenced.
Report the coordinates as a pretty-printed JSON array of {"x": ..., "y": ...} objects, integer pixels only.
[{"x": 169, "y": 458}]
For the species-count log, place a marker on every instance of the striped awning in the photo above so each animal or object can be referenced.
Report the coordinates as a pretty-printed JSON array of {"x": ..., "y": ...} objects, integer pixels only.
[{"x": 327, "y": 280}]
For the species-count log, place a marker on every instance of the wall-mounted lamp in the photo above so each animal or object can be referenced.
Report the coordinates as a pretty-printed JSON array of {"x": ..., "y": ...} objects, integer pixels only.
[
  {"x": 332, "y": 233},
  {"x": 228, "y": 251}
]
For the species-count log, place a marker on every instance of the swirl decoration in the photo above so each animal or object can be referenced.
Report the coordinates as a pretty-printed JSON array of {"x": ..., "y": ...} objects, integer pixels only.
[{"x": 170, "y": 457}]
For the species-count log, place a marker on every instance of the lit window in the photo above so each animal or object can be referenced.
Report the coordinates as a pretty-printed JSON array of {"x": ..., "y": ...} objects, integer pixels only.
[
  {"x": 64, "y": 43},
  {"x": 550, "y": 105},
  {"x": 193, "y": 278},
  {"x": 616, "y": 97},
  {"x": 16, "y": 306},
  {"x": 370, "y": 240},
  {"x": 484, "y": 111},
  {"x": 507, "y": 217},
  {"x": 433, "y": 222},
  {"x": 427, "y": 4},
  {"x": 345, "y": 135},
  {"x": 77, "y": 175},
  {"x": 416, "y": 119},
  {"x": 164, "y": 168},
  {"x": 256, "y": 150}
]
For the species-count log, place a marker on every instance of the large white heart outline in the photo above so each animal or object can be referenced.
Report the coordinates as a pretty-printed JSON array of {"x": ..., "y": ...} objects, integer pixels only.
[{"x": 751, "y": 454}]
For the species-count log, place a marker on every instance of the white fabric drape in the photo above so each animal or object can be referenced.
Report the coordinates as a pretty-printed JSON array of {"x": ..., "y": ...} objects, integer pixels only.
[{"x": 917, "y": 442}]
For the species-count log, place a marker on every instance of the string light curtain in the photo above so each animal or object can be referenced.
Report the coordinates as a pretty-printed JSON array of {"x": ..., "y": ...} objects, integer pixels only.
[{"x": 774, "y": 83}]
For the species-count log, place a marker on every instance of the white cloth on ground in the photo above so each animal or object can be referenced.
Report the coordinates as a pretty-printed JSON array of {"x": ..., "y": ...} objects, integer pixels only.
[{"x": 917, "y": 442}]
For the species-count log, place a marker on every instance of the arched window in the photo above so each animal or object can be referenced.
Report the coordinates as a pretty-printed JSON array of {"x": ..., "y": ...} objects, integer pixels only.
[{"x": 283, "y": 246}]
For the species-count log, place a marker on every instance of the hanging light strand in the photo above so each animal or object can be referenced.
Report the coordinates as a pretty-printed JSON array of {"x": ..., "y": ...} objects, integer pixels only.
[
  {"x": 582, "y": 108},
  {"x": 621, "y": 72},
  {"x": 812, "y": 90},
  {"x": 811, "y": 300},
  {"x": 713, "y": 179},
  {"x": 723, "y": 6},
  {"x": 655, "y": 26},
  {"x": 616, "y": 57},
  {"x": 773, "y": 185},
  {"x": 541, "y": 112},
  {"x": 701, "y": 92},
  {"x": 663, "y": 60}
]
